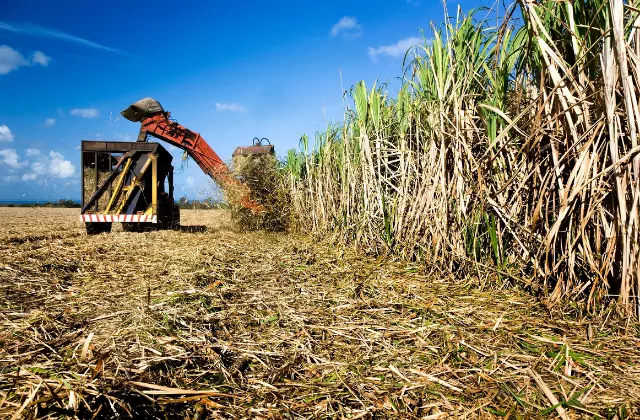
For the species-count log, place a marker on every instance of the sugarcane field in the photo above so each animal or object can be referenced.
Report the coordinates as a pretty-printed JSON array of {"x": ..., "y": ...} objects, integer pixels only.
[{"x": 442, "y": 225}]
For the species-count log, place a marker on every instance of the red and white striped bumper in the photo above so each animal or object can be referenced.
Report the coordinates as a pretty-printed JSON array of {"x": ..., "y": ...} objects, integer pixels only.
[{"x": 123, "y": 218}]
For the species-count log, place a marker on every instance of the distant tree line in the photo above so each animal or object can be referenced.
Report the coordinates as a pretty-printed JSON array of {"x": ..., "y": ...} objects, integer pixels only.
[
  {"x": 183, "y": 203},
  {"x": 206, "y": 204},
  {"x": 63, "y": 203}
]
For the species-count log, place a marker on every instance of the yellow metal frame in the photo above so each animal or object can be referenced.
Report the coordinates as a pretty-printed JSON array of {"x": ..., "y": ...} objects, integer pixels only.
[
  {"x": 154, "y": 180},
  {"x": 153, "y": 208},
  {"x": 135, "y": 182},
  {"x": 118, "y": 186}
]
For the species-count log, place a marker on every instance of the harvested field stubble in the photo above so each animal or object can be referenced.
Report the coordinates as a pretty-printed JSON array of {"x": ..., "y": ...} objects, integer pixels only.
[{"x": 251, "y": 324}]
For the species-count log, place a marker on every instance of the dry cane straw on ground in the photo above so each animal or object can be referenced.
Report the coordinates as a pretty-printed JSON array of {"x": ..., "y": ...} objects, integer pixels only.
[{"x": 255, "y": 324}]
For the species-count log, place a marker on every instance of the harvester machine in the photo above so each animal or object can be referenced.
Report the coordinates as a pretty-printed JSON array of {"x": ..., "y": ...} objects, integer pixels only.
[
  {"x": 132, "y": 182},
  {"x": 125, "y": 182}
]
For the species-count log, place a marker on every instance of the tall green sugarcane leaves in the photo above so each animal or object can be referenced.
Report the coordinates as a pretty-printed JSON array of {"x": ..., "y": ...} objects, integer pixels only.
[
  {"x": 294, "y": 164},
  {"x": 499, "y": 73},
  {"x": 429, "y": 69},
  {"x": 438, "y": 67},
  {"x": 374, "y": 107},
  {"x": 450, "y": 177},
  {"x": 304, "y": 144},
  {"x": 360, "y": 99}
]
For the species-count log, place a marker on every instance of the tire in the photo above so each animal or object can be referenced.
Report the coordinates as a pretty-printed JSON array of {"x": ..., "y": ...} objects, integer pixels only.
[
  {"x": 168, "y": 215},
  {"x": 175, "y": 223},
  {"x": 92, "y": 228},
  {"x": 97, "y": 228}
]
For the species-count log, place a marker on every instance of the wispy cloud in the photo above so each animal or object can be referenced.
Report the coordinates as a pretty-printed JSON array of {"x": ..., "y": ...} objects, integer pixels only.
[
  {"x": 348, "y": 27},
  {"x": 40, "y": 168},
  {"x": 229, "y": 107},
  {"x": 39, "y": 31},
  {"x": 5, "y": 134},
  {"x": 395, "y": 50},
  {"x": 85, "y": 112},
  {"x": 32, "y": 152},
  {"x": 40, "y": 58},
  {"x": 49, "y": 122}
]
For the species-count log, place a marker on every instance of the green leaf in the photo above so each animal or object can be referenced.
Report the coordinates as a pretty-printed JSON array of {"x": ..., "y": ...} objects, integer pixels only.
[{"x": 360, "y": 99}]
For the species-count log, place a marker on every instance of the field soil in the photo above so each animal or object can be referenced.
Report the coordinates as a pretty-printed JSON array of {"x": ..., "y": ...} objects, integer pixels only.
[{"x": 211, "y": 322}]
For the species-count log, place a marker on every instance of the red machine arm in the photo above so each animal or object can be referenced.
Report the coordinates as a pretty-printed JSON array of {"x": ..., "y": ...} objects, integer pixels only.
[{"x": 161, "y": 127}]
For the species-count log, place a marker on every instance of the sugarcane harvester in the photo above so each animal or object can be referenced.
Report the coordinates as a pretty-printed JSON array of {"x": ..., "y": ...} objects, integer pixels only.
[{"x": 132, "y": 182}]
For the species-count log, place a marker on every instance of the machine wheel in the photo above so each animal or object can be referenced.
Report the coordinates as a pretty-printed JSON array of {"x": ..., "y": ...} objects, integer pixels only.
[
  {"x": 97, "y": 228},
  {"x": 168, "y": 214},
  {"x": 175, "y": 223}
]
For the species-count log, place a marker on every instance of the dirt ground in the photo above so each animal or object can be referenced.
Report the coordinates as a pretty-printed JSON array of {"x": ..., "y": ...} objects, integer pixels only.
[{"x": 209, "y": 322}]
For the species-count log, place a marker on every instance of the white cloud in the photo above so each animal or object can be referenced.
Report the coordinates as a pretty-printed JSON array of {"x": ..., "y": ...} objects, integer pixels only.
[
  {"x": 11, "y": 158},
  {"x": 85, "y": 112},
  {"x": 40, "y": 58},
  {"x": 39, "y": 168},
  {"x": 348, "y": 27},
  {"x": 11, "y": 59},
  {"x": 39, "y": 31},
  {"x": 59, "y": 167},
  {"x": 229, "y": 107},
  {"x": 396, "y": 50},
  {"x": 50, "y": 122},
  {"x": 53, "y": 165},
  {"x": 5, "y": 134}
]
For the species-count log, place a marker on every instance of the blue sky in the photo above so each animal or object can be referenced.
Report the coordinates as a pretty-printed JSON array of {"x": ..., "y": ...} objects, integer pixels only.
[{"x": 228, "y": 70}]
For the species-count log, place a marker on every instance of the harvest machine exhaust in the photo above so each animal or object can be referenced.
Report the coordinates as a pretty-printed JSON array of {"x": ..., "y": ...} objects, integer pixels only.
[{"x": 132, "y": 182}]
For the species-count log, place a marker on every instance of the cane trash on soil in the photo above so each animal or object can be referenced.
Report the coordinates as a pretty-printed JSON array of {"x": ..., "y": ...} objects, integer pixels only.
[{"x": 231, "y": 324}]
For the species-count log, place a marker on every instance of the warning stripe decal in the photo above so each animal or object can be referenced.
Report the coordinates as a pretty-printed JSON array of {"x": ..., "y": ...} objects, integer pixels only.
[{"x": 126, "y": 218}]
